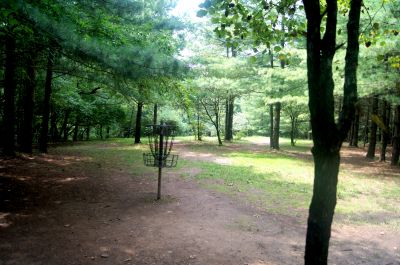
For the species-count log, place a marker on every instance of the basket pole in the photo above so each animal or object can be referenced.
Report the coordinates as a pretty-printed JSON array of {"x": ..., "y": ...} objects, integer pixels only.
[{"x": 160, "y": 162}]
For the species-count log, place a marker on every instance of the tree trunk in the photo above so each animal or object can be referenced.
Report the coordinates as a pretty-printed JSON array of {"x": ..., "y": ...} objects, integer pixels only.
[
  {"x": 217, "y": 127},
  {"x": 9, "y": 97},
  {"x": 277, "y": 118},
  {"x": 385, "y": 132},
  {"x": 130, "y": 124},
  {"x": 43, "y": 139},
  {"x": 271, "y": 126},
  {"x": 155, "y": 110},
  {"x": 355, "y": 129},
  {"x": 198, "y": 127},
  {"x": 396, "y": 138},
  {"x": 30, "y": 85},
  {"x": 229, "y": 119},
  {"x": 322, "y": 206},
  {"x": 226, "y": 118},
  {"x": 327, "y": 135},
  {"x": 108, "y": 132},
  {"x": 138, "y": 122},
  {"x": 373, "y": 129},
  {"x": 292, "y": 130}
]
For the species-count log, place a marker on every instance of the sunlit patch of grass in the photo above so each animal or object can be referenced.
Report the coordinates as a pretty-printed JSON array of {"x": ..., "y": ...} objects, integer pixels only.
[
  {"x": 114, "y": 154},
  {"x": 282, "y": 184},
  {"x": 266, "y": 189}
]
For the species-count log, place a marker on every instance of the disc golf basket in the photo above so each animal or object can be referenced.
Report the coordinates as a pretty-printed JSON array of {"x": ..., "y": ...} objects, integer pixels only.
[{"x": 161, "y": 138}]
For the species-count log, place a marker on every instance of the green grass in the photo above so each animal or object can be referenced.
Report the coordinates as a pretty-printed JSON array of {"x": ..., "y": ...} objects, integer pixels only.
[
  {"x": 278, "y": 182},
  {"x": 113, "y": 154},
  {"x": 282, "y": 183}
]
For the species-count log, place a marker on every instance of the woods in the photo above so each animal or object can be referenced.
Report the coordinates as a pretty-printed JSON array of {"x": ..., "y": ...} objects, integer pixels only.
[{"x": 323, "y": 71}]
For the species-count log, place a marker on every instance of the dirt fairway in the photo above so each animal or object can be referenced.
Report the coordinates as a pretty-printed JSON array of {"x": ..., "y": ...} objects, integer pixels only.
[{"x": 66, "y": 208}]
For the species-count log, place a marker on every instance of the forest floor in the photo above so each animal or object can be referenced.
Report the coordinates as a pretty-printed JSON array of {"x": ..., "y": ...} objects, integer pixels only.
[{"x": 93, "y": 203}]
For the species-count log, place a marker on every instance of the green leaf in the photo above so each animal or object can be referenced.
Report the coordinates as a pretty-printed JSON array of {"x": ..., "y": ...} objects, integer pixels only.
[{"x": 277, "y": 48}]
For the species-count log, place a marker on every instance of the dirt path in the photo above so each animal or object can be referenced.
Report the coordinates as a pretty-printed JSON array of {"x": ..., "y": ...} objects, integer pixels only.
[{"x": 68, "y": 209}]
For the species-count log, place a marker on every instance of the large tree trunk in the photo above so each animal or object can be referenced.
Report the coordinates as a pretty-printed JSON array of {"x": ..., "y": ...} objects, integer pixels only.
[
  {"x": 385, "y": 135},
  {"x": 277, "y": 118},
  {"x": 138, "y": 128},
  {"x": 396, "y": 138},
  {"x": 327, "y": 136},
  {"x": 373, "y": 129},
  {"x": 322, "y": 205},
  {"x": 9, "y": 97},
  {"x": 43, "y": 139},
  {"x": 27, "y": 126}
]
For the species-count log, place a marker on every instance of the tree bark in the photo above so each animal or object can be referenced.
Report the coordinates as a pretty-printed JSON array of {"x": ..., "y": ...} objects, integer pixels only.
[
  {"x": 217, "y": 125},
  {"x": 9, "y": 97},
  {"x": 396, "y": 138},
  {"x": 373, "y": 129},
  {"x": 138, "y": 128},
  {"x": 385, "y": 133},
  {"x": 198, "y": 127},
  {"x": 277, "y": 118},
  {"x": 30, "y": 85},
  {"x": 292, "y": 130},
  {"x": 327, "y": 135},
  {"x": 226, "y": 118},
  {"x": 355, "y": 130},
  {"x": 43, "y": 139},
  {"x": 271, "y": 126},
  {"x": 229, "y": 119},
  {"x": 215, "y": 104},
  {"x": 155, "y": 112}
]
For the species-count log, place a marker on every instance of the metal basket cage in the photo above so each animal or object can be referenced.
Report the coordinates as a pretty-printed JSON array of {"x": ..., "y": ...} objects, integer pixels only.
[{"x": 151, "y": 161}]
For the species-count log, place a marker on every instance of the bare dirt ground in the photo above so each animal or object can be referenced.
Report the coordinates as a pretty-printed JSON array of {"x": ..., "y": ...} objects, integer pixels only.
[{"x": 68, "y": 209}]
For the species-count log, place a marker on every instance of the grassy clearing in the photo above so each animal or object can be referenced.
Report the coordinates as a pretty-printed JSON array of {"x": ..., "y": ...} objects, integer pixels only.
[
  {"x": 113, "y": 153},
  {"x": 279, "y": 182},
  {"x": 282, "y": 183}
]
